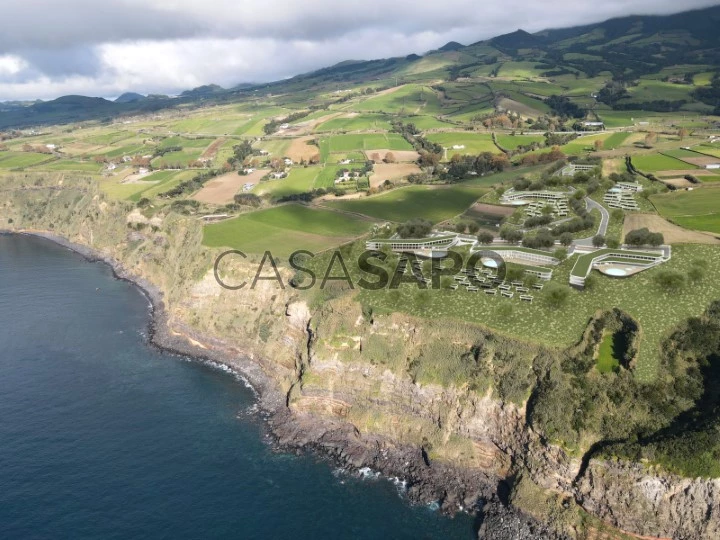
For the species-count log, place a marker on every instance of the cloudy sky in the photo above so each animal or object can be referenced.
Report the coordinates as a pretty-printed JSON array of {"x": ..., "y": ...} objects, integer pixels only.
[{"x": 105, "y": 47}]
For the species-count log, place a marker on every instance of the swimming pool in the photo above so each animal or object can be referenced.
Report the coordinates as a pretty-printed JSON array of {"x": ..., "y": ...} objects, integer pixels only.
[{"x": 616, "y": 272}]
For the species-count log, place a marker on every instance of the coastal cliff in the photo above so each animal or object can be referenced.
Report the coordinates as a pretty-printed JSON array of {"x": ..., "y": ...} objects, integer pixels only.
[{"x": 372, "y": 390}]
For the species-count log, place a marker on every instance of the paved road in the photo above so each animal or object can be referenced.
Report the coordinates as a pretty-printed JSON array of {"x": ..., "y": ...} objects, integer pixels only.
[{"x": 604, "y": 220}]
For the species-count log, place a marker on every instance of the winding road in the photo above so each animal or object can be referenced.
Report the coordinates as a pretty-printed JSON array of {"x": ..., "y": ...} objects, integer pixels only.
[{"x": 604, "y": 220}]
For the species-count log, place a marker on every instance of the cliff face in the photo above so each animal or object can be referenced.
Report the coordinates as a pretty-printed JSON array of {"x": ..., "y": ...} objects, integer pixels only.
[{"x": 443, "y": 405}]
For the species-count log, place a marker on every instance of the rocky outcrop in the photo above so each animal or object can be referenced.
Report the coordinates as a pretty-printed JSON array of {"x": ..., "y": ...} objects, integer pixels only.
[{"x": 652, "y": 504}]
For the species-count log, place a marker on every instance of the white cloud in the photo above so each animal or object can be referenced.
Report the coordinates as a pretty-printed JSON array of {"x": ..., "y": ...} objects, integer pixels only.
[
  {"x": 105, "y": 48},
  {"x": 11, "y": 65}
]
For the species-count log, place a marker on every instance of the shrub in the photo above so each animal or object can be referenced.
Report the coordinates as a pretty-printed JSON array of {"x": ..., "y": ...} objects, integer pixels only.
[{"x": 670, "y": 280}]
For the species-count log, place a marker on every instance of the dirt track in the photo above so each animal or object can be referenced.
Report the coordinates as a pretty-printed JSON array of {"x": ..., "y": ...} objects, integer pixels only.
[{"x": 672, "y": 233}]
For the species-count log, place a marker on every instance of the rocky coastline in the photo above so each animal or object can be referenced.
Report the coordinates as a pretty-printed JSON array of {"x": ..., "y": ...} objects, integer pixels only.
[{"x": 453, "y": 489}]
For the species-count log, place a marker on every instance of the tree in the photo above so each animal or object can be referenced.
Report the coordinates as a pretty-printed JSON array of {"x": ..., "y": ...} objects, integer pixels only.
[
  {"x": 566, "y": 239},
  {"x": 598, "y": 145},
  {"x": 642, "y": 237},
  {"x": 510, "y": 234},
  {"x": 473, "y": 227},
  {"x": 682, "y": 133},
  {"x": 617, "y": 214},
  {"x": 485, "y": 238},
  {"x": 415, "y": 228},
  {"x": 670, "y": 280},
  {"x": 556, "y": 295},
  {"x": 389, "y": 157},
  {"x": 598, "y": 240}
]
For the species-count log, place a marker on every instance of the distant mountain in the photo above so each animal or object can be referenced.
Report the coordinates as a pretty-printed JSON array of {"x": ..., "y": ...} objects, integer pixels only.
[
  {"x": 129, "y": 97},
  {"x": 622, "y": 49},
  {"x": 207, "y": 90},
  {"x": 451, "y": 46}
]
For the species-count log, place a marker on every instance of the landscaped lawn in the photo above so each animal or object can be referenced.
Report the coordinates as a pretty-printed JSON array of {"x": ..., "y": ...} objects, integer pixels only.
[
  {"x": 432, "y": 203},
  {"x": 285, "y": 229},
  {"x": 606, "y": 361},
  {"x": 656, "y": 311}
]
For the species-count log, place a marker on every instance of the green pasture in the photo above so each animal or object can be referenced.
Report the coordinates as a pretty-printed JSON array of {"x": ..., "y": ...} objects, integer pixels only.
[
  {"x": 19, "y": 160},
  {"x": 365, "y": 141},
  {"x": 650, "y": 163},
  {"x": 513, "y": 141},
  {"x": 475, "y": 143},
  {"x": 285, "y": 229},
  {"x": 362, "y": 122},
  {"x": 407, "y": 99},
  {"x": 698, "y": 209},
  {"x": 435, "y": 204}
]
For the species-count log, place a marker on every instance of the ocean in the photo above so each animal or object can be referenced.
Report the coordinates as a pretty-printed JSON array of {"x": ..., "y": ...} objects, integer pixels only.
[{"x": 103, "y": 436}]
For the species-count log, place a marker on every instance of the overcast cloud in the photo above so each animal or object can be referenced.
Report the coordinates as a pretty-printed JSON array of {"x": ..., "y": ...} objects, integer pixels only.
[{"x": 103, "y": 48}]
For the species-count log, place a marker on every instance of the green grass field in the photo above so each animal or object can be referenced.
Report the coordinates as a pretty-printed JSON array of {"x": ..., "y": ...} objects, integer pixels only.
[
  {"x": 17, "y": 160},
  {"x": 285, "y": 229},
  {"x": 698, "y": 209},
  {"x": 659, "y": 162},
  {"x": 70, "y": 165},
  {"x": 362, "y": 122},
  {"x": 513, "y": 141},
  {"x": 475, "y": 143},
  {"x": 432, "y": 203},
  {"x": 180, "y": 159},
  {"x": 367, "y": 141},
  {"x": 408, "y": 99},
  {"x": 150, "y": 186},
  {"x": 300, "y": 180}
]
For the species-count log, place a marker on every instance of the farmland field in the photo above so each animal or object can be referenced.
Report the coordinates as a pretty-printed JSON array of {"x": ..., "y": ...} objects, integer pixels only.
[
  {"x": 16, "y": 160},
  {"x": 369, "y": 141},
  {"x": 658, "y": 162},
  {"x": 511, "y": 142},
  {"x": 474, "y": 143},
  {"x": 69, "y": 165},
  {"x": 300, "y": 180},
  {"x": 180, "y": 159},
  {"x": 697, "y": 210},
  {"x": 285, "y": 229},
  {"x": 356, "y": 123},
  {"x": 408, "y": 99},
  {"x": 432, "y": 203}
]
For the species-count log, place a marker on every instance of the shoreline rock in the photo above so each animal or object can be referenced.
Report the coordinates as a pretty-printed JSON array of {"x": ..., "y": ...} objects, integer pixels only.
[{"x": 453, "y": 489}]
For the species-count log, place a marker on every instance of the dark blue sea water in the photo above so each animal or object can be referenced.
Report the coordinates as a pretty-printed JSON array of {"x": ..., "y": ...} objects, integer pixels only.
[{"x": 104, "y": 437}]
